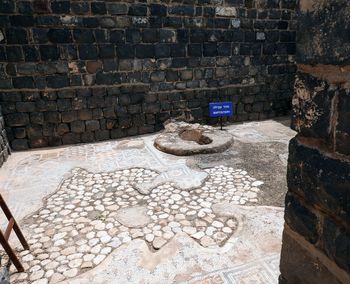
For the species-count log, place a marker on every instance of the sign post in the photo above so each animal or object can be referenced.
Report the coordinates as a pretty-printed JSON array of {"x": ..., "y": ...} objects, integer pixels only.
[{"x": 222, "y": 109}]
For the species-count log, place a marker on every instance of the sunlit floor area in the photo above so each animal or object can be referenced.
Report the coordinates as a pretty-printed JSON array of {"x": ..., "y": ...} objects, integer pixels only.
[{"x": 124, "y": 212}]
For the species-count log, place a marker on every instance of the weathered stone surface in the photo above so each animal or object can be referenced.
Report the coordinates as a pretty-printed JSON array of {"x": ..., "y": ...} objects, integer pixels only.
[
  {"x": 331, "y": 47},
  {"x": 129, "y": 66},
  {"x": 184, "y": 139},
  {"x": 301, "y": 219},
  {"x": 317, "y": 203},
  {"x": 133, "y": 217},
  {"x": 225, "y": 11},
  {"x": 158, "y": 242},
  {"x": 177, "y": 199},
  {"x": 4, "y": 144},
  {"x": 319, "y": 178},
  {"x": 298, "y": 265}
]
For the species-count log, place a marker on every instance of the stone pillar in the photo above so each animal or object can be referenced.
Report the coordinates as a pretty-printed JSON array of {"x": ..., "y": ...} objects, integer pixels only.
[
  {"x": 4, "y": 144},
  {"x": 316, "y": 239}
]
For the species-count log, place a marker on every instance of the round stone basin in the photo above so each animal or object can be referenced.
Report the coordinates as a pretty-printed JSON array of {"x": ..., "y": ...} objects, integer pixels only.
[
  {"x": 184, "y": 139},
  {"x": 195, "y": 136}
]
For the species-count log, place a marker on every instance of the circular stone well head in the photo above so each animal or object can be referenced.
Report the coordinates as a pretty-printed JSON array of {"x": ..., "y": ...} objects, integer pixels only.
[
  {"x": 195, "y": 135},
  {"x": 184, "y": 139}
]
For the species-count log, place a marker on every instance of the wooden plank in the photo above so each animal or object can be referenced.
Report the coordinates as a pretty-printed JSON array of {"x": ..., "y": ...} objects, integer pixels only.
[
  {"x": 9, "y": 229},
  {"x": 12, "y": 225},
  {"x": 16, "y": 228},
  {"x": 13, "y": 257},
  {"x": 4, "y": 208}
]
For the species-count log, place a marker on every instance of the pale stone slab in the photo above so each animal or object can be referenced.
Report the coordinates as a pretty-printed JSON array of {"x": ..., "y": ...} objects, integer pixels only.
[{"x": 133, "y": 217}]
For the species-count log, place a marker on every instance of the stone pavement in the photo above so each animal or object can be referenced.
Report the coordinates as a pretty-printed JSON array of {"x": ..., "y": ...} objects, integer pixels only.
[{"x": 123, "y": 212}]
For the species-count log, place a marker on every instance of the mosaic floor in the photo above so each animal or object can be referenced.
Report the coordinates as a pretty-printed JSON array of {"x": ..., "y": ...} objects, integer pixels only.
[
  {"x": 123, "y": 210},
  {"x": 263, "y": 271}
]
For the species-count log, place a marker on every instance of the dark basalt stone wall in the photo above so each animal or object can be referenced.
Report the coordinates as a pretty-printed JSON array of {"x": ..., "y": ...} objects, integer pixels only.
[
  {"x": 316, "y": 239},
  {"x": 82, "y": 71},
  {"x": 4, "y": 144}
]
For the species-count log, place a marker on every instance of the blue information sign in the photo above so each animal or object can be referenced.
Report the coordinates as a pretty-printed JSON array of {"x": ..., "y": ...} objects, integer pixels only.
[{"x": 220, "y": 109}]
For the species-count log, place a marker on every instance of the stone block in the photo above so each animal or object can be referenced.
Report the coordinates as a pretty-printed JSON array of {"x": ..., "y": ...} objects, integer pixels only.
[
  {"x": 320, "y": 179},
  {"x": 83, "y": 36},
  {"x": 77, "y": 126},
  {"x": 85, "y": 114},
  {"x": 260, "y": 36},
  {"x": 118, "y": 133},
  {"x": 117, "y": 36},
  {"x": 25, "y": 107},
  {"x": 178, "y": 50},
  {"x": 88, "y": 137},
  {"x": 195, "y": 50},
  {"x": 62, "y": 129},
  {"x": 19, "y": 144},
  {"x": 16, "y": 119},
  {"x": 52, "y": 117},
  {"x": 25, "y": 82},
  {"x": 60, "y": 7},
  {"x": 71, "y": 138},
  {"x": 336, "y": 242},
  {"x": 137, "y": 10},
  {"x": 150, "y": 35},
  {"x": 19, "y": 132},
  {"x": 7, "y": 7},
  {"x": 342, "y": 138},
  {"x": 69, "y": 116},
  {"x": 125, "y": 51},
  {"x": 158, "y": 10},
  {"x": 92, "y": 125},
  {"x": 34, "y": 130},
  {"x": 162, "y": 50},
  {"x": 78, "y": 103},
  {"x": 109, "y": 112},
  {"x": 22, "y": 20},
  {"x": 301, "y": 219},
  {"x": 88, "y": 52},
  {"x": 49, "y": 129},
  {"x": 224, "y": 49},
  {"x": 49, "y": 52},
  {"x": 210, "y": 49},
  {"x": 145, "y": 51},
  {"x": 144, "y": 129},
  {"x": 59, "y": 36},
  {"x": 158, "y": 76},
  {"x": 37, "y": 117},
  {"x": 107, "y": 51},
  {"x": 38, "y": 142},
  {"x": 152, "y": 108},
  {"x": 117, "y": 8},
  {"x": 102, "y": 135},
  {"x": 107, "y": 22},
  {"x": 299, "y": 265},
  {"x": 186, "y": 75},
  {"x": 311, "y": 108},
  {"x": 16, "y": 36},
  {"x": 99, "y": 8},
  {"x": 226, "y": 11},
  {"x": 181, "y": 10},
  {"x": 167, "y": 35}
]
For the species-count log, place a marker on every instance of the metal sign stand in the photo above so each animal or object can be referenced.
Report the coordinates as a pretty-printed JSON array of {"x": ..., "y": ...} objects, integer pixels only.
[
  {"x": 221, "y": 109},
  {"x": 4, "y": 237}
]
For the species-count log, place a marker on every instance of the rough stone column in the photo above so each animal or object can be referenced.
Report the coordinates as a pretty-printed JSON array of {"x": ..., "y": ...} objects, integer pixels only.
[
  {"x": 4, "y": 144},
  {"x": 316, "y": 239}
]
